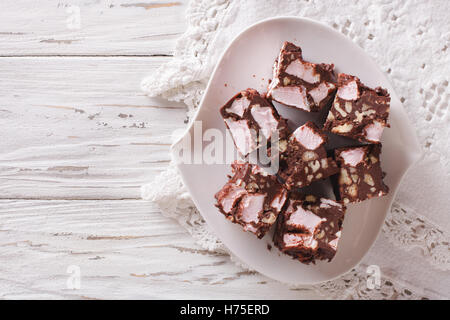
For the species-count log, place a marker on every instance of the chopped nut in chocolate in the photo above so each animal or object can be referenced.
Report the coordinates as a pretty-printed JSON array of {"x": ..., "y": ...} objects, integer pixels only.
[
  {"x": 360, "y": 175},
  {"x": 305, "y": 159}
]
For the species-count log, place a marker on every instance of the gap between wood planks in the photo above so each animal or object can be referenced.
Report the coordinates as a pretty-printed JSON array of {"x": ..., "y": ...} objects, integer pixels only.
[
  {"x": 138, "y": 45},
  {"x": 69, "y": 199},
  {"x": 28, "y": 158},
  {"x": 85, "y": 55}
]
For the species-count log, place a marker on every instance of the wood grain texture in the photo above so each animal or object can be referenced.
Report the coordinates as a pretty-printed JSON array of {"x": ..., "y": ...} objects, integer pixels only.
[
  {"x": 80, "y": 128},
  {"x": 125, "y": 249},
  {"x": 77, "y": 27}
]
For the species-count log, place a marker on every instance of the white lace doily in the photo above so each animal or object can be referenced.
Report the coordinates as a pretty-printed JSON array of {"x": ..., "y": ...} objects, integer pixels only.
[{"x": 410, "y": 41}]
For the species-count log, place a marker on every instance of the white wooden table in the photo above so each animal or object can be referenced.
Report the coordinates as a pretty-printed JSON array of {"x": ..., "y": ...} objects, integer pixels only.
[{"x": 77, "y": 140}]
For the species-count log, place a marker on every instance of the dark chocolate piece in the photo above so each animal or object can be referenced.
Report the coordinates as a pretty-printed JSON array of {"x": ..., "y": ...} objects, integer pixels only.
[
  {"x": 310, "y": 228},
  {"x": 360, "y": 175},
  {"x": 252, "y": 121},
  {"x": 251, "y": 198},
  {"x": 303, "y": 158},
  {"x": 358, "y": 112},
  {"x": 299, "y": 83}
]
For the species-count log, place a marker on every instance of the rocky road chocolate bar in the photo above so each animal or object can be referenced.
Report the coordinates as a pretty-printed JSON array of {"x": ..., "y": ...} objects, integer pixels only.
[
  {"x": 360, "y": 175},
  {"x": 358, "y": 112},
  {"x": 303, "y": 158},
  {"x": 251, "y": 198},
  {"x": 301, "y": 84},
  {"x": 252, "y": 120},
  {"x": 309, "y": 229}
]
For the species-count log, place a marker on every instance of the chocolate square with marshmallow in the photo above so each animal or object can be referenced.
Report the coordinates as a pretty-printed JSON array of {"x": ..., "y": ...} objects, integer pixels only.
[
  {"x": 303, "y": 159},
  {"x": 252, "y": 198},
  {"x": 310, "y": 228},
  {"x": 301, "y": 84},
  {"x": 358, "y": 111},
  {"x": 360, "y": 175},
  {"x": 252, "y": 121}
]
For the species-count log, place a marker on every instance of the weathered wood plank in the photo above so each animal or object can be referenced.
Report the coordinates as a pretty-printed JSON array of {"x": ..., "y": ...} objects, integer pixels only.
[
  {"x": 80, "y": 128},
  {"x": 124, "y": 249},
  {"x": 113, "y": 27}
]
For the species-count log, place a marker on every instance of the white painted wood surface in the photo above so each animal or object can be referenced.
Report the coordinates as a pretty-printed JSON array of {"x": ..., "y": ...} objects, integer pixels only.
[
  {"x": 77, "y": 140},
  {"x": 106, "y": 27}
]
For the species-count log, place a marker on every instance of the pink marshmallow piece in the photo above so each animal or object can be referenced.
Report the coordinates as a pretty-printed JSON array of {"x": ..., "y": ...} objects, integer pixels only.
[
  {"x": 334, "y": 243},
  {"x": 279, "y": 200},
  {"x": 302, "y": 218},
  {"x": 349, "y": 91},
  {"x": 321, "y": 92},
  {"x": 303, "y": 70},
  {"x": 353, "y": 156},
  {"x": 242, "y": 135},
  {"x": 250, "y": 207},
  {"x": 296, "y": 239},
  {"x": 327, "y": 203},
  {"x": 374, "y": 131},
  {"x": 291, "y": 96},
  {"x": 308, "y": 138},
  {"x": 230, "y": 199},
  {"x": 239, "y": 106},
  {"x": 265, "y": 119}
]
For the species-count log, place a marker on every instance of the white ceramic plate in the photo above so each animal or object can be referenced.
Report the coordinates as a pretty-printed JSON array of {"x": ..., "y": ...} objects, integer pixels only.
[{"x": 247, "y": 63}]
